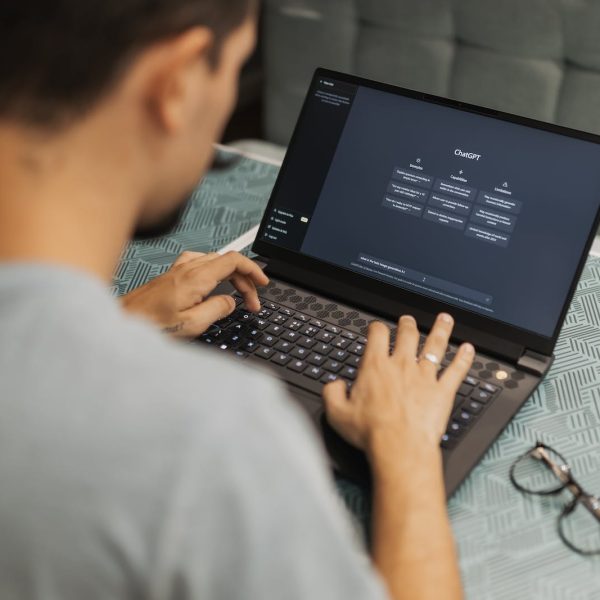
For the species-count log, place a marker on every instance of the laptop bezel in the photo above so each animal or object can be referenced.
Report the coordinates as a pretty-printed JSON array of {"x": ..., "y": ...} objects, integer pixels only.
[{"x": 515, "y": 335}]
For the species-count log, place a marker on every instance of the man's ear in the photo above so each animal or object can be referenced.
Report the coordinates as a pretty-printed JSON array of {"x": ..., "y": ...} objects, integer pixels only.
[{"x": 173, "y": 68}]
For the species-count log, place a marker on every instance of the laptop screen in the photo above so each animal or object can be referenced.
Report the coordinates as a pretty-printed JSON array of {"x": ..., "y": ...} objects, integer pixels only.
[{"x": 481, "y": 213}]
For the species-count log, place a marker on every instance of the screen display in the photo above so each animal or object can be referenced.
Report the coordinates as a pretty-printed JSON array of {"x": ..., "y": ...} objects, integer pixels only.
[{"x": 480, "y": 213}]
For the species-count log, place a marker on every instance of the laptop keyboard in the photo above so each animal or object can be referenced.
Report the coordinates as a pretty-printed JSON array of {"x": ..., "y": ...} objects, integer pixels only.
[{"x": 310, "y": 353}]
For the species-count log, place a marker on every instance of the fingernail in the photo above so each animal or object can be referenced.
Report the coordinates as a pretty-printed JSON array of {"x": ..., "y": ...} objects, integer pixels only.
[
  {"x": 468, "y": 349},
  {"x": 407, "y": 319},
  {"x": 446, "y": 318}
]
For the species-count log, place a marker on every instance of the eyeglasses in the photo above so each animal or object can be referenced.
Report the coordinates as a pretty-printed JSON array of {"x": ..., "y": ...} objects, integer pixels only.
[{"x": 542, "y": 471}]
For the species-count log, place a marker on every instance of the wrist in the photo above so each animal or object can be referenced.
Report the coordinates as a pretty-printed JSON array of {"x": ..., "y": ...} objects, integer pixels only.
[{"x": 400, "y": 450}]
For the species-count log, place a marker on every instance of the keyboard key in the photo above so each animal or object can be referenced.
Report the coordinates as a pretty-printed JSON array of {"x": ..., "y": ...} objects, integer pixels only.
[
  {"x": 314, "y": 372},
  {"x": 268, "y": 340},
  {"x": 357, "y": 349},
  {"x": 353, "y": 361},
  {"x": 472, "y": 406},
  {"x": 301, "y": 317},
  {"x": 245, "y": 317},
  {"x": 275, "y": 329},
  {"x": 325, "y": 336},
  {"x": 463, "y": 416},
  {"x": 293, "y": 324},
  {"x": 223, "y": 323},
  {"x": 307, "y": 342},
  {"x": 362, "y": 340},
  {"x": 317, "y": 359},
  {"x": 318, "y": 324},
  {"x": 255, "y": 334},
  {"x": 309, "y": 330},
  {"x": 265, "y": 352},
  {"x": 321, "y": 348},
  {"x": 350, "y": 336},
  {"x": 454, "y": 428},
  {"x": 270, "y": 305},
  {"x": 240, "y": 354},
  {"x": 297, "y": 365},
  {"x": 290, "y": 336},
  {"x": 283, "y": 346},
  {"x": 349, "y": 373},
  {"x": 264, "y": 313},
  {"x": 300, "y": 353},
  {"x": 481, "y": 396},
  {"x": 281, "y": 359},
  {"x": 333, "y": 329},
  {"x": 488, "y": 387},
  {"x": 340, "y": 355},
  {"x": 233, "y": 340},
  {"x": 341, "y": 343},
  {"x": 465, "y": 389},
  {"x": 329, "y": 377},
  {"x": 448, "y": 441},
  {"x": 250, "y": 346},
  {"x": 278, "y": 319},
  {"x": 287, "y": 312},
  {"x": 261, "y": 324},
  {"x": 333, "y": 366},
  {"x": 471, "y": 380}
]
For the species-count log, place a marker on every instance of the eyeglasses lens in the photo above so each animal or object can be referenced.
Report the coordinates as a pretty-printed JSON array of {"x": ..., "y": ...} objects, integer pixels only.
[
  {"x": 534, "y": 475},
  {"x": 581, "y": 529}
]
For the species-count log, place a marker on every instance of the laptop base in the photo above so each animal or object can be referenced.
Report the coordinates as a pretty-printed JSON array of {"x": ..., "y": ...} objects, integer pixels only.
[{"x": 462, "y": 450}]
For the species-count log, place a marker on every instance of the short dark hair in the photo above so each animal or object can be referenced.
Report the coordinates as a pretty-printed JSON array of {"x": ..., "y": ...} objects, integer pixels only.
[{"x": 58, "y": 57}]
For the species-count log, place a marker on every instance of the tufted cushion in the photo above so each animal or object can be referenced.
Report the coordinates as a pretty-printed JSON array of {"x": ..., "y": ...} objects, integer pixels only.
[{"x": 538, "y": 58}]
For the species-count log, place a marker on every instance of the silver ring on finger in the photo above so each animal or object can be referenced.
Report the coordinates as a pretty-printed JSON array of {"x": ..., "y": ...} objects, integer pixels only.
[{"x": 432, "y": 358}]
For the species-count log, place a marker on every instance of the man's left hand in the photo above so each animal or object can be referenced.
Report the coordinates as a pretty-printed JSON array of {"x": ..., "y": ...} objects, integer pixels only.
[{"x": 178, "y": 301}]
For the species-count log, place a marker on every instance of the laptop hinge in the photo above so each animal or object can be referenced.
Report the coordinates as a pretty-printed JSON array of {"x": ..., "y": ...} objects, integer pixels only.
[{"x": 532, "y": 362}]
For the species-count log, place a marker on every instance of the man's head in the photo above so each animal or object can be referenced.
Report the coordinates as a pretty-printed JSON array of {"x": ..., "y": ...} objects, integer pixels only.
[{"x": 167, "y": 68}]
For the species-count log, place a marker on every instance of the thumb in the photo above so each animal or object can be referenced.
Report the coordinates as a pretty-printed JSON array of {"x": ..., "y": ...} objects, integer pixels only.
[
  {"x": 338, "y": 409},
  {"x": 200, "y": 317}
]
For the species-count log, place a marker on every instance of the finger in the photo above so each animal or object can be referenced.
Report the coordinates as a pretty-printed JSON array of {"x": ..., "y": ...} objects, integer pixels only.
[
  {"x": 223, "y": 267},
  {"x": 457, "y": 370},
  {"x": 198, "y": 319},
  {"x": 245, "y": 286},
  {"x": 437, "y": 341},
  {"x": 378, "y": 342},
  {"x": 186, "y": 257},
  {"x": 407, "y": 338}
]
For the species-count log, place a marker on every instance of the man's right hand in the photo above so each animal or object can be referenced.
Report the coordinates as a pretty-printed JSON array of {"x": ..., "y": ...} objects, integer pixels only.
[
  {"x": 397, "y": 397},
  {"x": 397, "y": 412}
]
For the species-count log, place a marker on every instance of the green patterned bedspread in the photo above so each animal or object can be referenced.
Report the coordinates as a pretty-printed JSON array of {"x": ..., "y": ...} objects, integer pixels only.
[{"x": 508, "y": 544}]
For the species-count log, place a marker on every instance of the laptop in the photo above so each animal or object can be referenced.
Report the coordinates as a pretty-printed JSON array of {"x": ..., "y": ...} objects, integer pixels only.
[{"x": 392, "y": 202}]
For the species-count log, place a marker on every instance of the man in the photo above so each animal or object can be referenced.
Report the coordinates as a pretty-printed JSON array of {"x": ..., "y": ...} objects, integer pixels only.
[{"x": 133, "y": 466}]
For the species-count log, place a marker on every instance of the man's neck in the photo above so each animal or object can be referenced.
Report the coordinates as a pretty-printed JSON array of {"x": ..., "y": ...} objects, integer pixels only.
[{"x": 62, "y": 200}]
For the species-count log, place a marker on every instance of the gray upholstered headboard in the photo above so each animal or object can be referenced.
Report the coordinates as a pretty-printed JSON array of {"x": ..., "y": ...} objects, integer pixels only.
[{"x": 538, "y": 58}]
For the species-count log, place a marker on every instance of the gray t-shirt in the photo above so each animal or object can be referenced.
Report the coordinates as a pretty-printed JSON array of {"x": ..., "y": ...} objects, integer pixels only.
[{"x": 132, "y": 466}]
